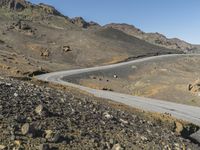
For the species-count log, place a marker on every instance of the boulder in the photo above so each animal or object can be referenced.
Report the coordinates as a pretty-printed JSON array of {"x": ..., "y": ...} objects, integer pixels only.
[
  {"x": 46, "y": 53},
  {"x": 194, "y": 87}
]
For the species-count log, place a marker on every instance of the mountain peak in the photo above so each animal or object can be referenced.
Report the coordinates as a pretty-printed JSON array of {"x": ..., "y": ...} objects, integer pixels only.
[
  {"x": 79, "y": 21},
  {"x": 50, "y": 9}
]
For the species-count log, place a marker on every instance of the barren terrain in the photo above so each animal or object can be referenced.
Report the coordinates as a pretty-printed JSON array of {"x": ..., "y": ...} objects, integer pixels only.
[
  {"x": 166, "y": 79},
  {"x": 40, "y": 116},
  {"x": 36, "y": 39},
  {"x": 27, "y": 46}
]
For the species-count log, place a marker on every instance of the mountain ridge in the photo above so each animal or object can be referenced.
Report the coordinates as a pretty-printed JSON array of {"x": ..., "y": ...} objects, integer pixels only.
[{"x": 153, "y": 38}]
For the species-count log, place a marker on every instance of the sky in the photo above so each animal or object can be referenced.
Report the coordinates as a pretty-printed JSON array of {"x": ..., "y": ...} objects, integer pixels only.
[{"x": 173, "y": 18}]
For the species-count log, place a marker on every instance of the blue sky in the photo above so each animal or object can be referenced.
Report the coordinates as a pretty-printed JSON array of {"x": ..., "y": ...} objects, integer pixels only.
[{"x": 173, "y": 18}]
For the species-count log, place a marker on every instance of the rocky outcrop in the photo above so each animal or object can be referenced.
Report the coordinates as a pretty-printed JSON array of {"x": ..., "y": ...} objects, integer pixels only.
[
  {"x": 22, "y": 27},
  {"x": 79, "y": 21},
  {"x": 153, "y": 38},
  {"x": 49, "y": 9},
  {"x": 20, "y": 5},
  {"x": 195, "y": 87},
  {"x": 14, "y": 4}
]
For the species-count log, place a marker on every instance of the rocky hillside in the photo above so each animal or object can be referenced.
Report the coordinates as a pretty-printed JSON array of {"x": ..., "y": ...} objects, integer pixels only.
[
  {"x": 41, "y": 117},
  {"x": 153, "y": 38},
  {"x": 39, "y": 38}
]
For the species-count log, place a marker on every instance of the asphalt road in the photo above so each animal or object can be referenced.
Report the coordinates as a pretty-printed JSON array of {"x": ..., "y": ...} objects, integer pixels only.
[{"x": 180, "y": 111}]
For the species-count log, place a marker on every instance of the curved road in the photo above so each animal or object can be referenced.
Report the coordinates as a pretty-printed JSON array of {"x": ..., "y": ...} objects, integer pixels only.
[{"x": 180, "y": 111}]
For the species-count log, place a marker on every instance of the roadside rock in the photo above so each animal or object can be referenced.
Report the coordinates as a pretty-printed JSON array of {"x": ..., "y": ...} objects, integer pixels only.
[
  {"x": 196, "y": 136},
  {"x": 178, "y": 127}
]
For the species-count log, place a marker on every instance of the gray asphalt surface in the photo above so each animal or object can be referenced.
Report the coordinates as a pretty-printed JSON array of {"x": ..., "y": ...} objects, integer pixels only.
[{"x": 180, "y": 111}]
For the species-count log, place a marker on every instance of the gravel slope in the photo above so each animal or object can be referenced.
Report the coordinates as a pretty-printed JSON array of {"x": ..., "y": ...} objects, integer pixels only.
[{"x": 40, "y": 117}]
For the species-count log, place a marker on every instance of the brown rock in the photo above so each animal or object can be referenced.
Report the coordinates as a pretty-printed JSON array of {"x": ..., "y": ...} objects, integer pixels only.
[
  {"x": 46, "y": 53},
  {"x": 66, "y": 48},
  {"x": 17, "y": 142},
  {"x": 2, "y": 147},
  {"x": 178, "y": 127},
  {"x": 194, "y": 87}
]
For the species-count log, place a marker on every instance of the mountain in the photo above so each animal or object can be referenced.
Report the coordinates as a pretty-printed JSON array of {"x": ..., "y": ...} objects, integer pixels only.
[
  {"x": 153, "y": 38},
  {"x": 38, "y": 37}
]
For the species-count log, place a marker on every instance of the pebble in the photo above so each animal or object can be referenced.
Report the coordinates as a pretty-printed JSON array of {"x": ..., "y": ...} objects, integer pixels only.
[
  {"x": 107, "y": 115},
  {"x": 48, "y": 134},
  {"x": 39, "y": 109},
  {"x": 56, "y": 138},
  {"x": 117, "y": 147},
  {"x": 123, "y": 121},
  {"x": 2, "y": 147},
  {"x": 115, "y": 76},
  {"x": 12, "y": 138},
  {"x": 17, "y": 142},
  {"x": 44, "y": 147},
  {"x": 8, "y": 84},
  {"x": 143, "y": 138},
  {"x": 25, "y": 129},
  {"x": 15, "y": 94},
  {"x": 111, "y": 141}
]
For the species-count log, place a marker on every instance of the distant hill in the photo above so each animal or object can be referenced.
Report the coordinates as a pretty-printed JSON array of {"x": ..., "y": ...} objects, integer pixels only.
[
  {"x": 42, "y": 37},
  {"x": 153, "y": 38}
]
